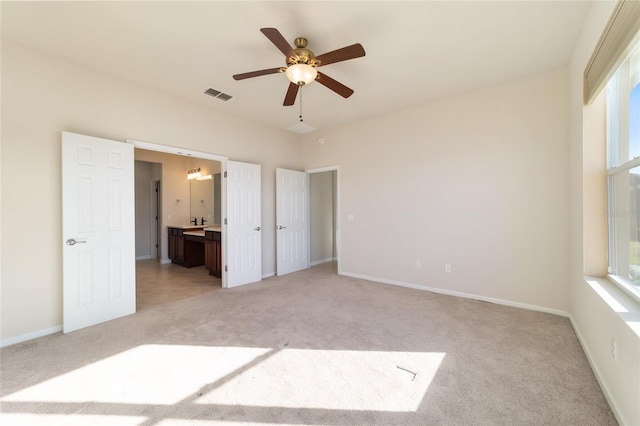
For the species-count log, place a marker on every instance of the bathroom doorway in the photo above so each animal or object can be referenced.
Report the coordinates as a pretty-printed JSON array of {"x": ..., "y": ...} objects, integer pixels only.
[{"x": 164, "y": 176}]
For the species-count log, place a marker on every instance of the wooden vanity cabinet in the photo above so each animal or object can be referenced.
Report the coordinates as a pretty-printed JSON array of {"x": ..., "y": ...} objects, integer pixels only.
[
  {"x": 176, "y": 245},
  {"x": 185, "y": 250},
  {"x": 193, "y": 251},
  {"x": 213, "y": 253}
]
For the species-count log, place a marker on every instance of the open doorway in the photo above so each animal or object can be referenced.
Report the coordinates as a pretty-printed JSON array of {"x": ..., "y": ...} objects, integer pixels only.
[
  {"x": 172, "y": 200},
  {"x": 147, "y": 178},
  {"x": 166, "y": 200},
  {"x": 324, "y": 235},
  {"x": 307, "y": 219},
  {"x": 237, "y": 259}
]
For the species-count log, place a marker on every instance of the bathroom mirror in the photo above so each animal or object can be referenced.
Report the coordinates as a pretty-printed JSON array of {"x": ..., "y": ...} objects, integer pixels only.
[
  {"x": 202, "y": 201},
  {"x": 205, "y": 200}
]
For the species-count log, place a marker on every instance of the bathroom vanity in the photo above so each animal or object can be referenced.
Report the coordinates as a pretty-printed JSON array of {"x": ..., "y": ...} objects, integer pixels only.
[{"x": 196, "y": 245}]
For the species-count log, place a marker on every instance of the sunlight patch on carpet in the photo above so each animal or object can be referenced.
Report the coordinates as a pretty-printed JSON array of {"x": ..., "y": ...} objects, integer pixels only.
[
  {"x": 28, "y": 419},
  {"x": 181, "y": 375},
  {"x": 332, "y": 379},
  {"x": 147, "y": 374}
]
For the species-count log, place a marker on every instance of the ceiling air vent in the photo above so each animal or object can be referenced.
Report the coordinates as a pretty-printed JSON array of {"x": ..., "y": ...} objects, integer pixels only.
[
  {"x": 224, "y": 96},
  {"x": 218, "y": 94}
]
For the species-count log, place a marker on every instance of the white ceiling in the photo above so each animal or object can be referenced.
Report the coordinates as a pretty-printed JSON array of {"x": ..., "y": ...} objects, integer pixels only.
[{"x": 416, "y": 51}]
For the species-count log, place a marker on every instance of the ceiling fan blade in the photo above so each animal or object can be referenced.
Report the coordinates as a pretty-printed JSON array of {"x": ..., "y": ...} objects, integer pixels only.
[
  {"x": 257, "y": 73},
  {"x": 349, "y": 52},
  {"x": 334, "y": 85},
  {"x": 276, "y": 38},
  {"x": 292, "y": 92}
]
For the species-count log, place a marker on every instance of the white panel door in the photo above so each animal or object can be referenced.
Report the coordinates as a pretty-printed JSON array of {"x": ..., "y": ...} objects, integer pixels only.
[
  {"x": 244, "y": 240},
  {"x": 99, "y": 277},
  {"x": 292, "y": 221}
]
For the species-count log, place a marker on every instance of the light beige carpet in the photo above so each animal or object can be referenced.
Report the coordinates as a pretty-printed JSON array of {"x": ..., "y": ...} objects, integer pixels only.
[{"x": 307, "y": 348}]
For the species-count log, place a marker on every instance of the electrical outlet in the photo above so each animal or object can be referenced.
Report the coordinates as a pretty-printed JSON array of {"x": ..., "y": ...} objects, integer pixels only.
[
  {"x": 614, "y": 349},
  {"x": 447, "y": 267},
  {"x": 418, "y": 266}
]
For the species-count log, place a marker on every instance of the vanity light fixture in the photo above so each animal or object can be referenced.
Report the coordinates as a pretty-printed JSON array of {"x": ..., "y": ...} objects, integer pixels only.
[
  {"x": 193, "y": 174},
  {"x": 205, "y": 177}
]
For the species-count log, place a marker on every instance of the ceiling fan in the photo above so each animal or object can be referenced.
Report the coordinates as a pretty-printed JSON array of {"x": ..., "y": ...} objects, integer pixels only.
[{"x": 302, "y": 64}]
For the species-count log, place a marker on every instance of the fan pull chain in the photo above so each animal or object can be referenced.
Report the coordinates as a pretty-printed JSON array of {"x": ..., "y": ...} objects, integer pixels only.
[{"x": 301, "y": 120}]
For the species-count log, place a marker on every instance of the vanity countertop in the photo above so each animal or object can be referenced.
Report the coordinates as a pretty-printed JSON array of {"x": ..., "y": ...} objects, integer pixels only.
[
  {"x": 215, "y": 228},
  {"x": 194, "y": 233},
  {"x": 188, "y": 226}
]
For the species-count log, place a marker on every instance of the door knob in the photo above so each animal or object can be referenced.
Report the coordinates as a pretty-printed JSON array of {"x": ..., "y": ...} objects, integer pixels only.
[
  {"x": 257, "y": 228},
  {"x": 72, "y": 242},
  {"x": 281, "y": 227}
]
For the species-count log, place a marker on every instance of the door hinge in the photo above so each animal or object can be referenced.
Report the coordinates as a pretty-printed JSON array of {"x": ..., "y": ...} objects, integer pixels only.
[
  {"x": 225, "y": 220},
  {"x": 226, "y": 269},
  {"x": 225, "y": 174}
]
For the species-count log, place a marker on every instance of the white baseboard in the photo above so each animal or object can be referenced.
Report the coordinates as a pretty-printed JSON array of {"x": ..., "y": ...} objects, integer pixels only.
[
  {"x": 145, "y": 257},
  {"x": 268, "y": 275},
  {"x": 24, "y": 337},
  {"x": 596, "y": 372},
  {"x": 319, "y": 262},
  {"x": 459, "y": 294},
  {"x": 165, "y": 261}
]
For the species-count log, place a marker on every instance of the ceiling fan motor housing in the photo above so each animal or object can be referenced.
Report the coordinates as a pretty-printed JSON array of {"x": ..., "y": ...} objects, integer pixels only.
[{"x": 302, "y": 54}]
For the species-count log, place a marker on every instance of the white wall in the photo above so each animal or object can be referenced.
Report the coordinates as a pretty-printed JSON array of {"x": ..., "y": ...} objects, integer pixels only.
[
  {"x": 599, "y": 312},
  {"x": 43, "y": 96},
  {"x": 478, "y": 181}
]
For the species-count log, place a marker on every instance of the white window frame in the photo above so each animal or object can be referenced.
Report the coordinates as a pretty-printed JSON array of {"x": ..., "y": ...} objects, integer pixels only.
[{"x": 620, "y": 213}]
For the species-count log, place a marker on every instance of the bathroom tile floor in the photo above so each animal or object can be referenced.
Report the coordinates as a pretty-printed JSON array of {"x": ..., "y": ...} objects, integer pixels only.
[{"x": 157, "y": 284}]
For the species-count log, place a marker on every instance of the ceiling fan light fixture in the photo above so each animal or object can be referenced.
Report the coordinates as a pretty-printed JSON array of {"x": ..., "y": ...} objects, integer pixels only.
[{"x": 301, "y": 74}]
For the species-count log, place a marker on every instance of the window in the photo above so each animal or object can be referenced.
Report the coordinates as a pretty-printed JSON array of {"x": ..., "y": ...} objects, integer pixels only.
[{"x": 623, "y": 165}]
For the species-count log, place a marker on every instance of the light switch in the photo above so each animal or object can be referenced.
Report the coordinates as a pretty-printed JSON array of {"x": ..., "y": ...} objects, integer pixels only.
[{"x": 350, "y": 217}]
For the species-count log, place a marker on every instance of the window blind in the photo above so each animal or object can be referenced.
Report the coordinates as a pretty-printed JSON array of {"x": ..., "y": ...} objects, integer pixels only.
[{"x": 616, "y": 42}]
